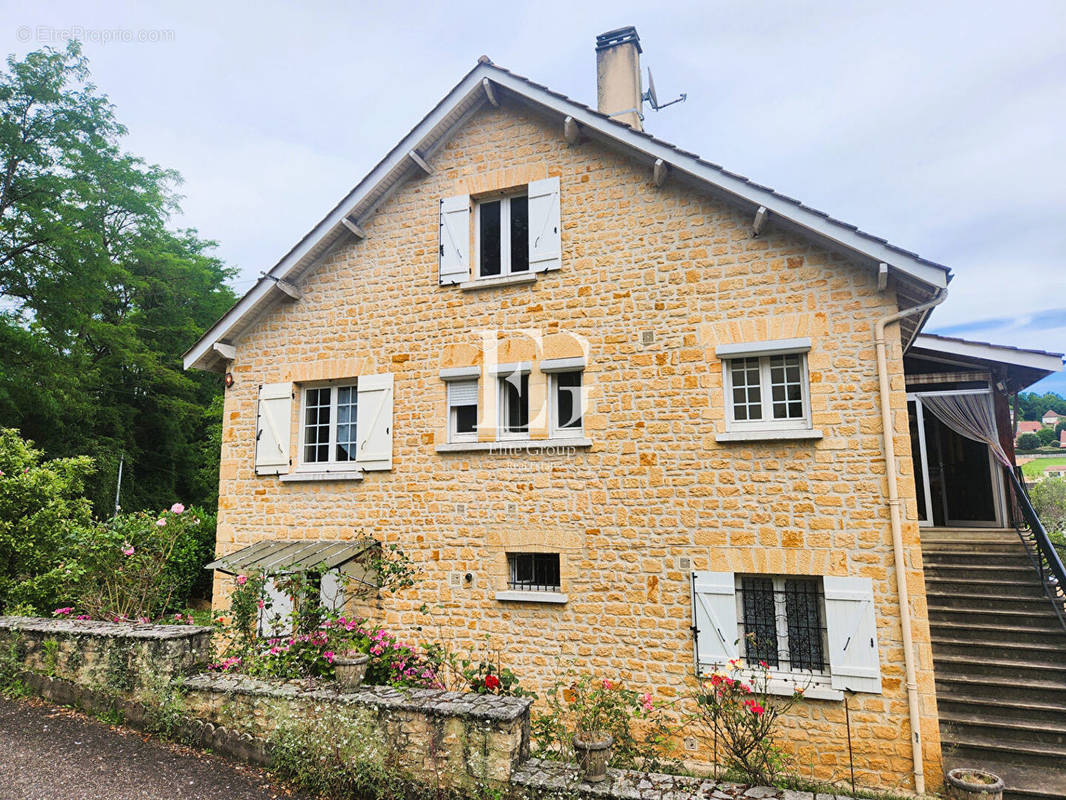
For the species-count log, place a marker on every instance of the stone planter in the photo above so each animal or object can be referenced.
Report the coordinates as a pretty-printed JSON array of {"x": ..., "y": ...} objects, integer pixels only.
[
  {"x": 973, "y": 784},
  {"x": 593, "y": 751},
  {"x": 350, "y": 669}
]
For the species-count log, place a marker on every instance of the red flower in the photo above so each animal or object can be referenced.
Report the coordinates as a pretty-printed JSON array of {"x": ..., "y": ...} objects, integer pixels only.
[{"x": 492, "y": 682}]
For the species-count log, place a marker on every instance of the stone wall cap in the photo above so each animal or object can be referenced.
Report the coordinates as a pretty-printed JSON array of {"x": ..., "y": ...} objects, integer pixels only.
[
  {"x": 88, "y": 627},
  {"x": 428, "y": 701}
]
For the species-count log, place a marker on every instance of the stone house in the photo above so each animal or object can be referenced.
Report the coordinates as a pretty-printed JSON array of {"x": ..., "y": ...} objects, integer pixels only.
[{"x": 624, "y": 408}]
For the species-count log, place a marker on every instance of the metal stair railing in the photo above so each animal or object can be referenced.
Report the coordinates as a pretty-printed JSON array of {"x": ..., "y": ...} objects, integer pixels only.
[{"x": 1038, "y": 545}]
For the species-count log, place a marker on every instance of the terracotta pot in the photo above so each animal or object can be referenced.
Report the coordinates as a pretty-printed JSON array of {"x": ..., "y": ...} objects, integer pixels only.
[
  {"x": 350, "y": 669},
  {"x": 973, "y": 784},
  {"x": 593, "y": 751}
]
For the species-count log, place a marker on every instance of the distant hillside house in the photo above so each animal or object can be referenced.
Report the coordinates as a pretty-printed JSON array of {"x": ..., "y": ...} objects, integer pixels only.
[
  {"x": 1051, "y": 418},
  {"x": 1029, "y": 426}
]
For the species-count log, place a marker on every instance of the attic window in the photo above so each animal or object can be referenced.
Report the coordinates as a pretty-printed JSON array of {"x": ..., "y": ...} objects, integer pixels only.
[{"x": 502, "y": 236}]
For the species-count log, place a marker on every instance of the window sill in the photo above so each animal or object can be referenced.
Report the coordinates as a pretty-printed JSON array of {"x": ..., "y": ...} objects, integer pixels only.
[
  {"x": 323, "y": 475},
  {"x": 768, "y": 434},
  {"x": 515, "y": 279},
  {"x": 531, "y": 597},
  {"x": 512, "y": 445},
  {"x": 785, "y": 685}
]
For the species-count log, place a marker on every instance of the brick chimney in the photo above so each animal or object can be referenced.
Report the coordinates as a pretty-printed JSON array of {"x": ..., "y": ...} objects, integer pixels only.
[{"x": 618, "y": 91}]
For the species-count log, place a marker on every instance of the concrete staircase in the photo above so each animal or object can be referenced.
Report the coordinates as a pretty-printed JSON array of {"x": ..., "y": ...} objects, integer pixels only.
[{"x": 999, "y": 652}]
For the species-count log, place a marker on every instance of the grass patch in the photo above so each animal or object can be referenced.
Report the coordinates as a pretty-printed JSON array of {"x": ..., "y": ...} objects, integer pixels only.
[{"x": 1035, "y": 468}]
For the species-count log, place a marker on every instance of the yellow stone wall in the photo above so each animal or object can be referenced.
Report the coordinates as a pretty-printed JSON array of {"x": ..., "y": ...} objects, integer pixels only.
[{"x": 654, "y": 485}]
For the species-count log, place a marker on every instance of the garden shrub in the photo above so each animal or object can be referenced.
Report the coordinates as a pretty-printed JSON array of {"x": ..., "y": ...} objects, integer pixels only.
[
  {"x": 741, "y": 715},
  {"x": 42, "y": 510},
  {"x": 1049, "y": 501},
  {"x": 135, "y": 566},
  {"x": 599, "y": 705}
]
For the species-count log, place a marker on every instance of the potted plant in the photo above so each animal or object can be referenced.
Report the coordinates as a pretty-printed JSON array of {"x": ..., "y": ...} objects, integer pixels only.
[
  {"x": 599, "y": 707},
  {"x": 350, "y": 668},
  {"x": 966, "y": 783}
]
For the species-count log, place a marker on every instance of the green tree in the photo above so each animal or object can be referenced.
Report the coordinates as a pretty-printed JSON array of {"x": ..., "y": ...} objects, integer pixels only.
[
  {"x": 1033, "y": 406},
  {"x": 98, "y": 297},
  {"x": 1046, "y": 436},
  {"x": 1028, "y": 441}
]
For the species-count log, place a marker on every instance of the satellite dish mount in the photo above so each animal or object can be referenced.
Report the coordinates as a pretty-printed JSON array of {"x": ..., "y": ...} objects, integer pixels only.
[{"x": 652, "y": 98}]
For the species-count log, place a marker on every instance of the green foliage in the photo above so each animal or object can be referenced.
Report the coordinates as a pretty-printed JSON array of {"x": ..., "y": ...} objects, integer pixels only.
[
  {"x": 42, "y": 511},
  {"x": 1047, "y": 436},
  {"x": 742, "y": 716},
  {"x": 1033, "y": 406},
  {"x": 1029, "y": 441},
  {"x": 99, "y": 297},
  {"x": 595, "y": 706},
  {"x": 483, "y": 675},
  {"x": 164, "y": 704},
  {"x": 50, "y": 656},
  {"x": 1049, "y": 500},
  {"x": 339, "y": 753}
]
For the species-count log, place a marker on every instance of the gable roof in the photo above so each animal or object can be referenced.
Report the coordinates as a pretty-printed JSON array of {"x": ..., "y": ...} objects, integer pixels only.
[
  {"x": 916, "y": 279},
  {"x": 1029, "y": 426}
]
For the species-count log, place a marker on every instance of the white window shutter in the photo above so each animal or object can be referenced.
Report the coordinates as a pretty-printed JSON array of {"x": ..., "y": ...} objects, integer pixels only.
[
  {"x": 332, "y": 590},
  {"x": 545, "y": 239},
  {"x": 714, "y": 618},
  {"x": 275, "y": 618},
  {"x": 852, "y": 632},
  {"x": 374, "y": 422},
  {"x": 273, "y": 419},
  {"x": 455, "y": 239}
]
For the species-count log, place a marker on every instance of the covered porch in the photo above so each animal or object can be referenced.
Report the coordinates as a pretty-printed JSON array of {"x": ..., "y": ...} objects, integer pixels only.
[{"x": 959, "y": 396}]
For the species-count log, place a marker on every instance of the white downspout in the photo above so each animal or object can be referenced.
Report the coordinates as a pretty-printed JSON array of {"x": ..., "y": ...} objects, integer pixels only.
[{"x": 897, "y": 530}]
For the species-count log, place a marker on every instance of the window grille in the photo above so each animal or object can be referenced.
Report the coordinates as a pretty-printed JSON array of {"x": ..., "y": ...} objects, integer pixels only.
[
  {"x": 533, "y": 572},
  {"x": 782, "y": 623}
]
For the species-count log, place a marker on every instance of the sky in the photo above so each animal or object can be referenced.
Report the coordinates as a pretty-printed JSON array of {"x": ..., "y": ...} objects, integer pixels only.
[{"x": 937, "y": 126}]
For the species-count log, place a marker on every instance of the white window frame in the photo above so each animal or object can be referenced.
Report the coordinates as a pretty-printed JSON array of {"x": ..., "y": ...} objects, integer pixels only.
[
  {"x": 505, "y": 234},
  {"x": 331, "y": 463},
  {"x": 502, "y": 434},
  {"x": 767, "y": 423},
  {"x": 453, "y": 416},
  {"x": 556, "y": 430},
  {"x": 784, "y": 678}
]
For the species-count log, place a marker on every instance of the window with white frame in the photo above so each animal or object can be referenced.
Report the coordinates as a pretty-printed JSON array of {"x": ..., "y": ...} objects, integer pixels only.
[
  {"x": 513, "y": 405},
  {"x": 781, "y": 621},
  {"x": 502, "y": 236},
  {"x": 462, "y": 410},
  {"x": 567, "y": 403},
  {"x": 768, "y": 391},
  {"x": 328, "y": 432}
]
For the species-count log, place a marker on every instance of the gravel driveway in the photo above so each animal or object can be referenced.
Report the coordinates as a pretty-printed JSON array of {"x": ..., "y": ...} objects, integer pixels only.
[{"x": 49, "y": 753}]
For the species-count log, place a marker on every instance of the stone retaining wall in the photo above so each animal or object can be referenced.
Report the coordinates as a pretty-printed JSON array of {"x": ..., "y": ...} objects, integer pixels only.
[
  {"x": 105, "y": 655},
  {"x": 454, "y": 739},
  {"x": 446, "y": 739}
]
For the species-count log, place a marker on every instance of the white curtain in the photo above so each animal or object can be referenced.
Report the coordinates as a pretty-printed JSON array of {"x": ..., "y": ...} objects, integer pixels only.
[{"x": 969, "y": 415}]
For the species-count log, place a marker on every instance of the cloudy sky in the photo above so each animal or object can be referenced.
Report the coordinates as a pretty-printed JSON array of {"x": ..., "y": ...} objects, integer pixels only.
[{"x": 938, "y": 126}]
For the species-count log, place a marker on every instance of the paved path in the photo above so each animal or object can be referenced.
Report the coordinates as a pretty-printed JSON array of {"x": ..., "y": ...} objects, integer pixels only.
[{"x": 49, "y": 753}]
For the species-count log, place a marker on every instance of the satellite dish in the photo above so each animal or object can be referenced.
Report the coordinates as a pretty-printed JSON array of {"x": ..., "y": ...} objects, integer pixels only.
[{"x": 653, "y": 98}]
